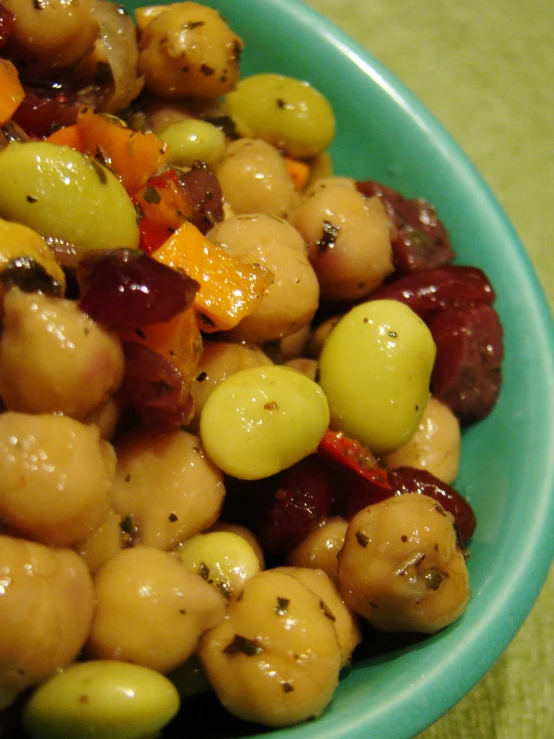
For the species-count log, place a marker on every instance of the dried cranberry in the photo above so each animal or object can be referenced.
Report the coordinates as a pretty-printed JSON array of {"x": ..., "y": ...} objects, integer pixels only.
[
  {"x": 204, "y": 194},
  {"x": 412, "y": 480},
  {"x": 156, "y": 389},
  {"x": 126, "y": 289},
  {"x": 39, "y": 115},
  {"x": 424, "y": 291},
  {"x": 291, "y": 504},
  {"x": 467, "y": 371},
  {"x": 352, "y": 492},
  {"x": 6, "y": 24},
  {"x": 419, "y": 239}
]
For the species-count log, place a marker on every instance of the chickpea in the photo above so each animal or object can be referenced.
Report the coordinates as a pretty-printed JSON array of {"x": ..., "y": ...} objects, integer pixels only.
[
  {"x": 291, "y": 300},
  {"x": 52, "y": 35},
  {"x": 189, "y": 50},
  {"x": 55, "y": 477},
  {"x": 150, "y": 609},
  {"x": 434, "y": 447},
  {"x": 103, "y": 543},
  {"x": 275, "y": 660},
  {"x": 320, "y": 335},
  {"x": 308, "y": 367},
  {"x": 346, "y": 623},
  {"x": 295, "y": 345},
  {"x": 115, "y": 53},
  {"x": 50, "y": 351},
  {"x": 103, "y": 698},
  {"x": 328, "y": 180},
  {"x": 219, "y": 360},
  {"x": 254, "y": 179},
  {"x": 402, "y": 567},
  {"x": 107, "y": 415},
  {"x": 46, "y": 608},
  {"x": 348, "y": 237},
  {"x": 287, "y": 113},
  {"x": 262, "y": 420},
  {"x": 321, "y": 547},
  {"x": 165, "y": 486}
]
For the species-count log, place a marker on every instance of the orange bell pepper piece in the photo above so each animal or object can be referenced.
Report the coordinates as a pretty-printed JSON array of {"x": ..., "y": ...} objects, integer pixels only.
[
  {"x": 163, "y": 202},
  {"x": 132, "y": 155},
  {"x": 298, "y": 170},
  {"x": 230, "y": 288},
  {"x": 67, "y": 136},
  {"x": 177, "y": 340},
  {"x": 11, "y": 90}
]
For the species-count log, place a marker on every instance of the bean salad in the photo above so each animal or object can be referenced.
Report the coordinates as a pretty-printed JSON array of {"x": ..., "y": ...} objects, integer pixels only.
[{"x": 233, "y": 384}]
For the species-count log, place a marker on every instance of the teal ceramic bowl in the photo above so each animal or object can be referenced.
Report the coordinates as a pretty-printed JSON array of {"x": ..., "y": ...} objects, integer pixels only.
[{"x": 507, "y": 468}]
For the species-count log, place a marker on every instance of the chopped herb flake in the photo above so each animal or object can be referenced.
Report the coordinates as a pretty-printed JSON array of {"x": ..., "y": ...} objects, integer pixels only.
[
  {"x": 328, "y": 237},
  {"x": 434, "y": 578},
  {"x": 242, "y": 645},
  {"x": 326, "y": 610},
  {"x": 282, "y": 606},
  {"x": 151, "y": 195},
  {"x": 127, "y": 525}
]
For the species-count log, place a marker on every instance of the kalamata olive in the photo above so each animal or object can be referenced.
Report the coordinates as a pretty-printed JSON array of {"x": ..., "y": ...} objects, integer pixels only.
[
  {"x": 423, "y": 291},
  {"x": 126, "y": 289},
  {"x": 467, "y": 371},
  {"x": 156, "y": 389},
  {"x": 419, "y": 240},
  {"x": 411, "y": 480}
]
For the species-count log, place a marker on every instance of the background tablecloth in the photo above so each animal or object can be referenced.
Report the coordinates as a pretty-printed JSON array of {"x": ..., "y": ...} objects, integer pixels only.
[{"x": 486, "y": 70}]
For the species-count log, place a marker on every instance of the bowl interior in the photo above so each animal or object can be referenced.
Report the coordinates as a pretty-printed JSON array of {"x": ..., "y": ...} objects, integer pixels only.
[{"x": 507, "y": 472}]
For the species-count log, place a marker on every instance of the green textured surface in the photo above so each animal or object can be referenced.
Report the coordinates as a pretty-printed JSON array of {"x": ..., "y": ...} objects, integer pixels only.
[{"x": 486, "y": 70}]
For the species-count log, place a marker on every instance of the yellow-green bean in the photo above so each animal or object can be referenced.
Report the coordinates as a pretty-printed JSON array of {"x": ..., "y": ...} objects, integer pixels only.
[
  {"x": 66, "y": 196},
  {"x": 105, "y": 699},
  {"x": 286, "y": 112},
  {"x": 193, "y": 140},
  {"x": 375, "y": 367},
  {"x": 263, "y": 419}
]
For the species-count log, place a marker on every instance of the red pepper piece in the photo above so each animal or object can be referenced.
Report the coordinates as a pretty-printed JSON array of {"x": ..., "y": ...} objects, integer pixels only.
[
  {"x": 152, "y": 235},
  {"x": 349, "y": 453}
]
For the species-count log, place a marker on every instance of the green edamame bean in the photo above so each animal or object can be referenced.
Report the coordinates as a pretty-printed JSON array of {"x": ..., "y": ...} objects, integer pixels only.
[
  {"x": 193, "y": 140},
  {"x": 262, "y": 420},
  {"x": 65, "y": 195},
  {"x": 375, "y": 368},
  {"x": 105, "y": 699},
  {"x": 287, "y": 113}
]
